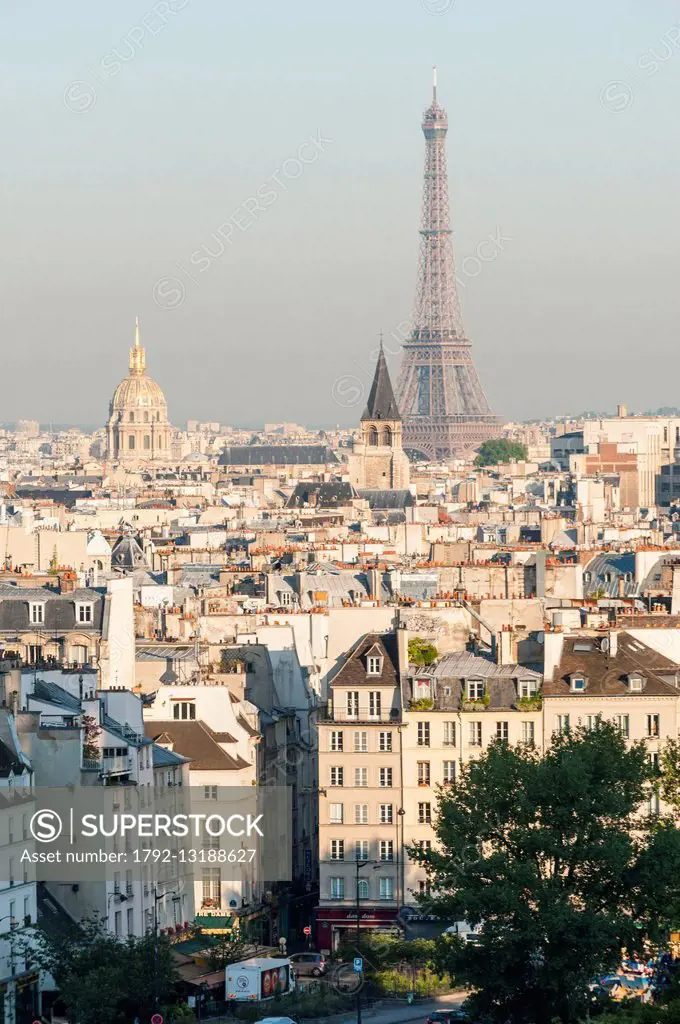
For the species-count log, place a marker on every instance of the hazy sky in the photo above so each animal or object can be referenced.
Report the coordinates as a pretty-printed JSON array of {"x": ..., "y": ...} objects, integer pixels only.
[{"x": 131, "y": 132}]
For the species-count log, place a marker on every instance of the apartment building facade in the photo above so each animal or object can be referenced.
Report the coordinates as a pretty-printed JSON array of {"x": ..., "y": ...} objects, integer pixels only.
[
  {"x": 610, "y": 675},
  {"x": 389, "y": 737},
  {"x": 452, "y": 713},
  {"x": 19, "y": 981},
  {"x": 360, "y": 781}
]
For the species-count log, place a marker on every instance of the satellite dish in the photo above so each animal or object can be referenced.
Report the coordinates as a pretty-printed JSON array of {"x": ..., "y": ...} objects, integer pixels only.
[{"x": 604, "y": 644}]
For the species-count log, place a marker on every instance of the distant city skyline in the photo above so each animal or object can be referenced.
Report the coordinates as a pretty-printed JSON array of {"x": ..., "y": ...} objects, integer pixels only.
[
  {"x": 91, "y": 428},
  {"x": 135, "y": 140}
]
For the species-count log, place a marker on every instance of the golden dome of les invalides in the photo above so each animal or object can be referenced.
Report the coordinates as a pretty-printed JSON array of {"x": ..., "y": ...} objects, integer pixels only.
[{"x": 138, "y": 429}]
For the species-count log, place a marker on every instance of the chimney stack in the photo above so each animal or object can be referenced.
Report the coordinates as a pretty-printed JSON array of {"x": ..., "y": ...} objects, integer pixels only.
[
  {"x": 505, "y": 651},
  {"x": 375, "y": 584},
  {"x": 402, "y": 648},
  {"x": 613, "y": 642},
  {"x": 675, "y": 591},
  {"x": 621, "y": 412},
  {"x": 67, "y": 581}
]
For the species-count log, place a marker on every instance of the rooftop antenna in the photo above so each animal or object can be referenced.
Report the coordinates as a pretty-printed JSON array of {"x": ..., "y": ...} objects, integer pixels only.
[{"x": 434, "y": 84}]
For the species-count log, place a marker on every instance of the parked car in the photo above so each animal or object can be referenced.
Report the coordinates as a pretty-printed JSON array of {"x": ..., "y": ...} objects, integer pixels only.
[
  {"x": 465, "y": 931},
  {"x": 308, "y": 963},
  {"x": 454, "y": 1015},
  {"x": 276, "y": 1020}
]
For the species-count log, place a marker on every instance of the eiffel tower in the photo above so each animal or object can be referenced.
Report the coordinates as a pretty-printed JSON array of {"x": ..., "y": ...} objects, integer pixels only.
[{"x": 440, "y": 396}]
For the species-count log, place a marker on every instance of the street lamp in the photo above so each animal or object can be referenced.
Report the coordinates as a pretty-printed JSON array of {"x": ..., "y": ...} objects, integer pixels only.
[
  {"x": 359, "y": 865},
  {"x": 119, "y": 897},
  {"x": 157, "y": 897},
  {"x": 200, "y": 996}
]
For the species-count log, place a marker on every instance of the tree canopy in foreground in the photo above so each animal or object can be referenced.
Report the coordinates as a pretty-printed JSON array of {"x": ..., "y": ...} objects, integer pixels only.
[
  {"x": 103, "y": 980},
  {"x": 557, "y": 860}
]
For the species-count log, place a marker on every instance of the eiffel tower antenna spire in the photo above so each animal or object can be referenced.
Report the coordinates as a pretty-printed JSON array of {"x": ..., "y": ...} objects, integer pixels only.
[{"x": 445, "y": 411}]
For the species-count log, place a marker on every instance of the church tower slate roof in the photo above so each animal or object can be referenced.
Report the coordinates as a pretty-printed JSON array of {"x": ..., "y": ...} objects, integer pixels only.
[{"x": 381, "y": 405}]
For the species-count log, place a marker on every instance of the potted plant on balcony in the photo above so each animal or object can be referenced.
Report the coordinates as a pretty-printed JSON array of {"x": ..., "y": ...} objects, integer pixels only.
[
  {"x": 421, "y": 704},
  {"x": 534, "y": 702},
  {"x": 478, "y": 704}
]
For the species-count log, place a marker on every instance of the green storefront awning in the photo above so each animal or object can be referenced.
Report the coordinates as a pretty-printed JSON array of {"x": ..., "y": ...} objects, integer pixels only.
[{"x": 211, "y": 923}]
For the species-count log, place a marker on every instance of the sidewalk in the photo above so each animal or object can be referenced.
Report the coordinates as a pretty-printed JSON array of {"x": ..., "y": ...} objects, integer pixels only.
[{"x": 396, "y": 1013}]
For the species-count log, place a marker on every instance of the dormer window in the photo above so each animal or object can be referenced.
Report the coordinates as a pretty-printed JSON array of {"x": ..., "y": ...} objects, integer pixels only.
[
  {"x": 374, "y": 664},
  {"x": 475, "y": 689},
  {"x": 422, "y": 688},
  {"x": 528, "y": 687},
  {"x": 37, "y": 612},
  {"x": 184, "y": 710},
  {"x": 577, "y": 683},
  {"x": 84, "y": 612},
  {"x": 636, "y": 682}
]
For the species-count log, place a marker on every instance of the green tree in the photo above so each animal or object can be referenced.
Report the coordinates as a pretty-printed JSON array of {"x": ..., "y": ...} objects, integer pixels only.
[
  {"x": 181, "y": 1014},
  {"x": 550, "y": 856},
  {"x": 384, "y": 951},
  {"x": 669, "y": 774},
  {"x": 91, "y": 732},
  {"x": 492, "y": 453},
  {"x": 421, "y": 652},
  {"x": 228, "y": 948},
  {"x": 103, "y": 980}
]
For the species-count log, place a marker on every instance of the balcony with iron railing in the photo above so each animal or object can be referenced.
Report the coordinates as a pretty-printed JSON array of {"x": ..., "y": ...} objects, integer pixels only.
[
  {"x": 364, "y": 715},
  {"x": 118, "y": 765}
]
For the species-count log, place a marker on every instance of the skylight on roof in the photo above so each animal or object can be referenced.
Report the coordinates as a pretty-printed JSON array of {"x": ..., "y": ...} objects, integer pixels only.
[{"x": 582, "y": 648}]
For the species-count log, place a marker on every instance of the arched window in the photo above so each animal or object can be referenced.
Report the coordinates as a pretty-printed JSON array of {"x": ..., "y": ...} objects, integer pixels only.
[
  {"x": 387, "y": 437},
  {"x": 147, "y": 442},
  {"x": 132, "y": 417},
  {"x": 131, "y": 441},
  {"x": 372, "y": 436},
  {"x": 362, "y": 889}
]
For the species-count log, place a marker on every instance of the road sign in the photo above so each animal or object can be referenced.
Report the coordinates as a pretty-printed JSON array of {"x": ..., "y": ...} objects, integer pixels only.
[
  {"x": 358, "y": 966},
  {"x": 307, "y": 930},
  {"x": 157, "y": 1019}
]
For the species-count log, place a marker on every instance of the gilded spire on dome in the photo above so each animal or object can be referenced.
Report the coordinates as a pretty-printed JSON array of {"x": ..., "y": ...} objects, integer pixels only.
[{"x": 137, "y": 354}]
